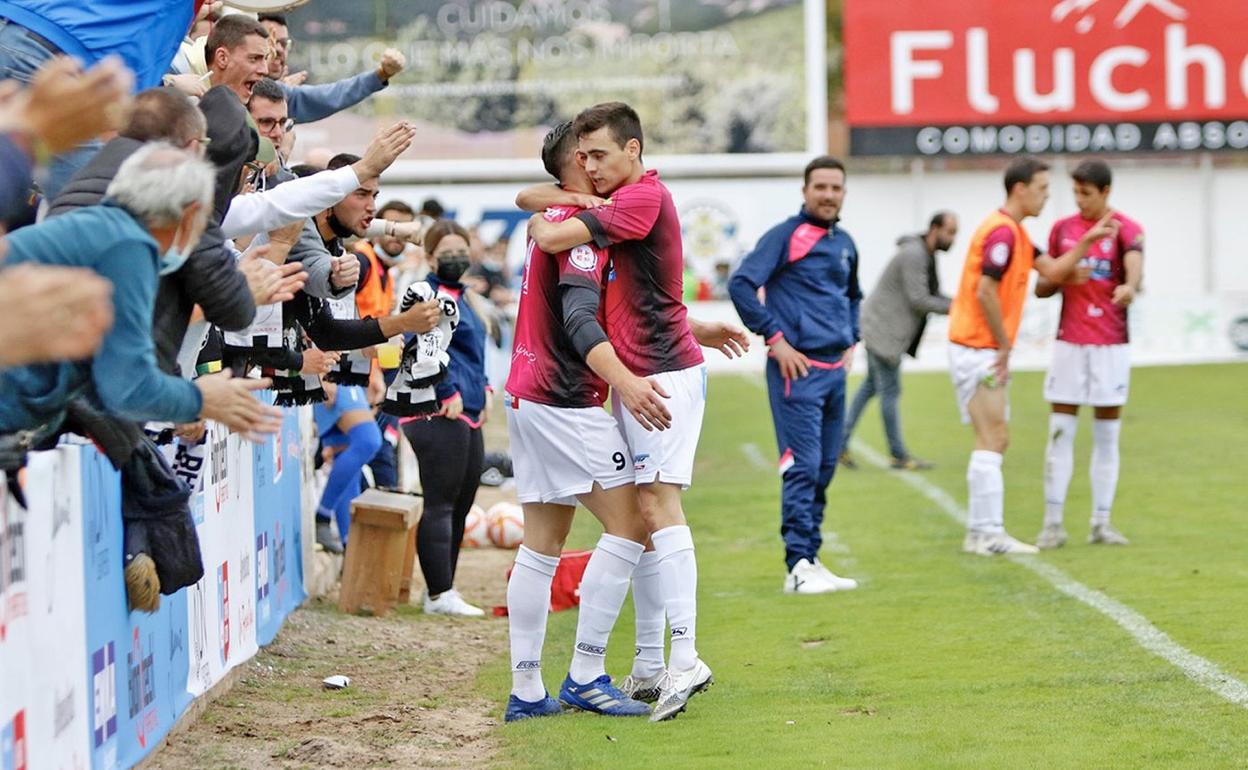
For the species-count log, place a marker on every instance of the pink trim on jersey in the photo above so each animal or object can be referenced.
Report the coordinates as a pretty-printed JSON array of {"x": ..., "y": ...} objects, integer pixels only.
[
  {"x": 804, "y": 239},
  {"x": 772, "y": 339}
]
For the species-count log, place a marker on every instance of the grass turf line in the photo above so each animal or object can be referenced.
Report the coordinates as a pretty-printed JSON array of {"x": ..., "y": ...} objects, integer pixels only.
[{"x": 946, "y": 660}]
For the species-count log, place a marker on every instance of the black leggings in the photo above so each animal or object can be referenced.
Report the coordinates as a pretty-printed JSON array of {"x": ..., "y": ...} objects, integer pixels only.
[{"x": 450, "y": 456}]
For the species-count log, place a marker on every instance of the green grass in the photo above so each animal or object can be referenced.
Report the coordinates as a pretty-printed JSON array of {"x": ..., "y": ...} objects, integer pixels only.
[{"x": 943, "y": 659}]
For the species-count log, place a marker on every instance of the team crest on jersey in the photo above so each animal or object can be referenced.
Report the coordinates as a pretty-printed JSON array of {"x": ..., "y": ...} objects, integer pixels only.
[{"x": 583, "y": 258}]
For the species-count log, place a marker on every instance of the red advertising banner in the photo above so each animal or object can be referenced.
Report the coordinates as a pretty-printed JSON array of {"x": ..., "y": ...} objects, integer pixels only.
[{"x": 933, "y": 77}]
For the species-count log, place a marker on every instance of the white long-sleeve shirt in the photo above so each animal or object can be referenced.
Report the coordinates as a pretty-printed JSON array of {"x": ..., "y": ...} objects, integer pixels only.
[{"x": 297, "y": 199}]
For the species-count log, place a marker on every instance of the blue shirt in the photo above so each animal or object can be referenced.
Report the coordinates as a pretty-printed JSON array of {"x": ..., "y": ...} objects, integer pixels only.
[
  {"x": 308, "y": 104},
  {"x": 466, "y": 373},
  {"x": 122, "y": 378},
  {"x": 144, "y": 33},
  {"x": 809, "y": 268}
]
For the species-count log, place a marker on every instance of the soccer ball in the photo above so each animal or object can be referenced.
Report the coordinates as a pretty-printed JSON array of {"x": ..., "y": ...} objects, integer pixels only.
[
  {"x": 475, "y": 529},
  {"x": 506, "y": 525}
]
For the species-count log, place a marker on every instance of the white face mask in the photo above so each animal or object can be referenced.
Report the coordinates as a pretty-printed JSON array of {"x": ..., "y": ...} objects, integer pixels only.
[{"x": 173, "y": 258}]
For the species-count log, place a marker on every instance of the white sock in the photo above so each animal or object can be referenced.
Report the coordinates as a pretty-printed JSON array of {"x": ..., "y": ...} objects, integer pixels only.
[
  {"x": 678, "y": 574},
  {"x": 1104, "y": 468},
  {"x": 528, "y": 604},
  {"x": 1059, "y": 464},
  {"x": 604, "y": 587},
  {"x": 651, "y": 616},
  {"x": 986, "y": 487}
]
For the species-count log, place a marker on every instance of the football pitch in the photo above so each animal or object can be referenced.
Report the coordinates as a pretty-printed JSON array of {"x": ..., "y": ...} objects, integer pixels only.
[{"x": 1092, "y": 656}]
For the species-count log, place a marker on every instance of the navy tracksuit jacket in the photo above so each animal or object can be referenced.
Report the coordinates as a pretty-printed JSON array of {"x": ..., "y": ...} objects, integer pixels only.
[{"x": 808, "y": 269}]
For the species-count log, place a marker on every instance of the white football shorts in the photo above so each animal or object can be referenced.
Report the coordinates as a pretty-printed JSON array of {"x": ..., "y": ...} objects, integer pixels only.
[
  {"x": 969, "y": 368},
  {"x": 558, "y": 453},
  {"x": 1088, "y": 375},
  {"x": 667, "y": 455}
]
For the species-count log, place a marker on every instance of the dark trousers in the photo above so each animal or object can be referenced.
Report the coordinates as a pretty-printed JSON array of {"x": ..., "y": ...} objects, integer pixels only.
[
  {"x": 883, "y": 379},
  {"x": 807, "y": 414},
  {"x": 450, "y": 456}
]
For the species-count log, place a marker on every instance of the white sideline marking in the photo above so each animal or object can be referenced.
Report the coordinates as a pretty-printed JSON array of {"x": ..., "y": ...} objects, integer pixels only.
[
  {"x": 1201, "y": 671},
  {"x": 754, "y": 455}
]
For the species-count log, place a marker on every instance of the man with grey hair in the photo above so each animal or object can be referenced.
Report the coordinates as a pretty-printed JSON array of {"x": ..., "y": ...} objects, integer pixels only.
[{"x": 153, "y": 215}]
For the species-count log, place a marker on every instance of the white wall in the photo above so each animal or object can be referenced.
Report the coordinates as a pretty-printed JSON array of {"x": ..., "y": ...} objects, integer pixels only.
[{"x": 1196, "y": 254}]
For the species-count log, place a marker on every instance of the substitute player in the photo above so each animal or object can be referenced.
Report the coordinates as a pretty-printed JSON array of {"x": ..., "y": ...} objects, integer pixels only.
[
  {"x": 808, "y": 267},
  {"x": 566, "y": 447},
  {"x": 1091, "y": 363},
  {"x": 648, "y": 325},
  {"x": 983, "y": 323}
]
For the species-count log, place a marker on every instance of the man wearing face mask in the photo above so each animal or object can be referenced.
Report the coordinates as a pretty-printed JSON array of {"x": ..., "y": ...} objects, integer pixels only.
[{"x": 154, "y": 213}]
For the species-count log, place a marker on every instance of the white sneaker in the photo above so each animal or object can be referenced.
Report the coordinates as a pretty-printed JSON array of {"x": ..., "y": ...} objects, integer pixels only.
[
  {"x": 451, "y": 603},
  {"x": 805, "y": 578},
  {"x": 1052, "y": 536},
  {"x": 678, "y": 687},
  {"x": 838, "y": 582},
  {"x": 994, "y": 544},
  {"x": 645, "y": 689},
  {"x": 1104, "y": 534}
]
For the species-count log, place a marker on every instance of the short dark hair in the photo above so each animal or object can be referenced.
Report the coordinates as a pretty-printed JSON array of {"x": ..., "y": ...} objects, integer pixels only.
[
  {"x": 1094, "y": 172},
  {"x": 164, "y": 114},
  {"x": 230, "y": 32},
  {"x": 304, "y": 169},
  {"x": 267, "y": 88},
  {"x": 1023, "y": 170},
  {"x": 340, "y": 160},
  {"x": 555, "y": 148},
  {"x": 398, "y": 206},
  {"x": 617, "y": 116},
  {"x": 823, "y": 161},
  {"x": 276, "y": 18},
  {"x": 431, "y": 208},
  {"x": 938, "y": 220}
]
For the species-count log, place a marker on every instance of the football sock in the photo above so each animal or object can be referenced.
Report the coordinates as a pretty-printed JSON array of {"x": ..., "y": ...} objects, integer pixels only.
[
  {"x": 651, "y": 616},
  {"x": 1059, "y": 464},
  {"x": 528, "y": 604},
  {"x": 344, "y": 477},
  {"x": 986, "y": 488},
  {"x": 604, "y": 587},
  {"x": 678, "y": 575},
  {"x": 1104, "y": 469}
]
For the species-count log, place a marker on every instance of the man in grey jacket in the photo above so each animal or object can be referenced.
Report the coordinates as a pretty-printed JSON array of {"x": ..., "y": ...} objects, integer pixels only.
[{"x": 893, "y": 319}]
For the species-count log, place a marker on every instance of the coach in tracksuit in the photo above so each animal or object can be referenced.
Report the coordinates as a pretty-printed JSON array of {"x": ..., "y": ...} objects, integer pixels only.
[{"x": 807, "y": 267}]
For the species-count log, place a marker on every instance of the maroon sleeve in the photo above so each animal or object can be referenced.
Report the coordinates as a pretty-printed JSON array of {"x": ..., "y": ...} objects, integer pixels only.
[
  {"x": 583, "y": 265},
  {"x": 1055, "y": 239},
  {"x": 1130, "y": 235},
  {"x": 998, "y": 250},
  {"x": 630, "y": 215}
]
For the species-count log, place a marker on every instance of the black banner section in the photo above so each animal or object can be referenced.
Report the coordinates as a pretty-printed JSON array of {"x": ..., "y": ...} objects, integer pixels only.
[{"x": 1050, "y": 138}]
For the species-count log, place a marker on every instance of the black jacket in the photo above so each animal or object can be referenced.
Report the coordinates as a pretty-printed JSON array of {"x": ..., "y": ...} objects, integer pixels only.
[{"x": 210, "y": 278}]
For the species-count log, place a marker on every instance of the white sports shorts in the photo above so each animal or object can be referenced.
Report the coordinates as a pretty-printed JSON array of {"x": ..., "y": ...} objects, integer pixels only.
[
  {"x": 969, "y": 368},
  {"x": 558, "y": 453},
  {"x": 667, "y": 455},
  {"x": 1088, "y": 375}
]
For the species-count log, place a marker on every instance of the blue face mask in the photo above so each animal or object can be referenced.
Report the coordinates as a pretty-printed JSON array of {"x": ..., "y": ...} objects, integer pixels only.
[{"x": 173, "y": 259}]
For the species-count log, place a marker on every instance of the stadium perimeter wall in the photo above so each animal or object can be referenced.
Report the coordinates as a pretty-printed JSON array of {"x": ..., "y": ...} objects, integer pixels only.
[{"x": 85, "y": 683}]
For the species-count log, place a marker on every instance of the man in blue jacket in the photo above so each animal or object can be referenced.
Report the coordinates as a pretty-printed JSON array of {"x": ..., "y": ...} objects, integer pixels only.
[{"x": 807, "y": 267}]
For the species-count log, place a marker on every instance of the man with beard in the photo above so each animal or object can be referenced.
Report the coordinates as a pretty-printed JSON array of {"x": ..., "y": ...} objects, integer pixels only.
[{"x": 893, "y": 319}]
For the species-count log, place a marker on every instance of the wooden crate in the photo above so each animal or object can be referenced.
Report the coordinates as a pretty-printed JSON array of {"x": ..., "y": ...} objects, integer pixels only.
[{"x": 381, "y": 550}]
